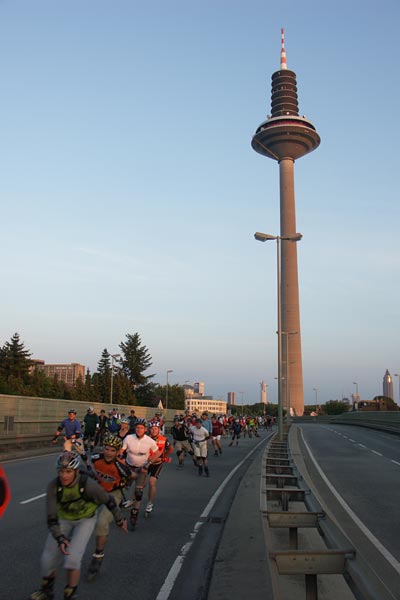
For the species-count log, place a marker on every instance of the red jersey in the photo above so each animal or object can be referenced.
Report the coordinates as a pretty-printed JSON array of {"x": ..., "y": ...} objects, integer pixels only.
[
  {"x": 110, "y": 476},
  {"x": 165, "y": 447}
]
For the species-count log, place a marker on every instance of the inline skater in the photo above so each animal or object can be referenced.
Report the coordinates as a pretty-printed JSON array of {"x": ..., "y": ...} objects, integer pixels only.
[
  {"x": 200, "y": 437},
  {"x": 182, "y": 441},
  {"x": 73, "y": 431},
  {"x": 154, "y": 471},
  {"x": 91, "y": 424},
  {"x": 236, "y": 429},
  {"x": 72, "y": 501},
  {"x": 113, "y": 476},
  {"x": 216, "y": 432},
  {"x": 140, "y": 452},
  {"x": 101, "y": 431},
  {"x": 73, "y": 434},
  {"x": 125, "y": 428}
]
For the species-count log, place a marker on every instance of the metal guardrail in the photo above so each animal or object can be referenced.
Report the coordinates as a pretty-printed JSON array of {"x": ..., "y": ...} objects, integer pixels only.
[{"x": 283, "y": 483}]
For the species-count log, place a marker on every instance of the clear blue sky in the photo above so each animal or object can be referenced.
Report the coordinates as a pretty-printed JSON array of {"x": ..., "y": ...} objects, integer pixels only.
[{"x": 130, "y": 192}]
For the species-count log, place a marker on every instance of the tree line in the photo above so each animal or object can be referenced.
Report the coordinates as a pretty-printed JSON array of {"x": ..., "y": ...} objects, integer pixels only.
[{"x": 131, "y": 384}]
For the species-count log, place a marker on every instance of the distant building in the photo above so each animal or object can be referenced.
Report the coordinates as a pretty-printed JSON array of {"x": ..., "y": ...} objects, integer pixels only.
[
  {"x": 231, "y": 397},
  {"x": 198, "y": 388},
  {"x": 36, "y": 364},
  {"x": 68, "y": 373},
  {"x": 263, "y": 392},
  {"x": 205, "y": 403},
  {"x": 388, "y": 385},
  {"x": 379, "y": 403}
]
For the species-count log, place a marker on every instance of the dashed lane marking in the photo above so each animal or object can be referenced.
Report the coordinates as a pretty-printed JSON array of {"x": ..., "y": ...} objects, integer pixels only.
[
  {"x": 384, "y": 551},
  {"x": 32, "y": 499}
]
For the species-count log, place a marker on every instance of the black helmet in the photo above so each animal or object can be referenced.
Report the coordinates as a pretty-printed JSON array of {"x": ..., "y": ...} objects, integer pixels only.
[
  {"x": 141, "y": 422},
  {"x": 72, "y": 411}
]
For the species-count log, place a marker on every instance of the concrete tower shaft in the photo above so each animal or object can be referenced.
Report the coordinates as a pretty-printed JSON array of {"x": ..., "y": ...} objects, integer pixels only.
[{"x": 285, "y": 137}]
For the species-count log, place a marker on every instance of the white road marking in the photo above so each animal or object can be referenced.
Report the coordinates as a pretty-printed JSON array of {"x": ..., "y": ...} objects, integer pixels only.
[
  {"x": 362, "y": 446},
  {"x": 395, "y": 462},
  {"x": 350, "y": 440},
  {"x": 389, "y": 557},
  {"x": 32, "y": 499},
  {"x": 168, "y": 584},
  {"x": 377, "y": 453}
]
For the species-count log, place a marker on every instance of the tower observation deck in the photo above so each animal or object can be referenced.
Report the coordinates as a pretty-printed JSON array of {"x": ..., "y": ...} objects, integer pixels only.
[{"x": 285, "y": 137}]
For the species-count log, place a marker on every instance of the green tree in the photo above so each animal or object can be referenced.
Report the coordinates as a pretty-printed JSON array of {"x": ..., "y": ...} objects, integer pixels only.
[
  {"x": 335, "y": 407},
  {"x": 103, "y": 377},
  {"x": 15, "y": 361},
  {"x": 136, "y": 359},
  {"x": 176, "y": 395},
  {"x": 78, "y": 392},
  {"x": 123, "y": 392}
]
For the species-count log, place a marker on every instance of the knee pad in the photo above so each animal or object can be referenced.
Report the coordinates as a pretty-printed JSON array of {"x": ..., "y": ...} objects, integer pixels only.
[{"x": 138, "y": 494}]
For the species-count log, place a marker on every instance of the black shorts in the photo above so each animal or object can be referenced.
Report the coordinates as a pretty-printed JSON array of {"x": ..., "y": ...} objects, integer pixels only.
[{"x": 155, "y": 470}]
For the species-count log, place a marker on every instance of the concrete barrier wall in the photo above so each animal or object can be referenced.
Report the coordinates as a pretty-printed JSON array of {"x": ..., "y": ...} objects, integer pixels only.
[{"x": 23, "y": 415}]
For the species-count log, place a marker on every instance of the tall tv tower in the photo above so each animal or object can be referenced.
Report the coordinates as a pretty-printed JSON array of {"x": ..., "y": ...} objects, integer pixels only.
[{"x": 285, "y": 137}]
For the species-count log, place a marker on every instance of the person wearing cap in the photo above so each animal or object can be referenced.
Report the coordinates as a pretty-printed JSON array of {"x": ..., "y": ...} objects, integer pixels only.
[
  {"x": 113, "y": 424},
  {"x": 73, "y": 432},
  {"x": 200, "y": 436},
  {"x": 91, "y": 423},
  {"x": 72, "y": 502}
]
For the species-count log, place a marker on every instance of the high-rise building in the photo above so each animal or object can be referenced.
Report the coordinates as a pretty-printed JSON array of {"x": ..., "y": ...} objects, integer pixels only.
[
  {"x": 199, "y": 388},
  {"x": 68, "y": 373},
  {"x": 231, "y": 397},
  {"x": 285, "y": 137},
  {"x": 388, "y": 385},
  {"x": 263, "y": 392}
]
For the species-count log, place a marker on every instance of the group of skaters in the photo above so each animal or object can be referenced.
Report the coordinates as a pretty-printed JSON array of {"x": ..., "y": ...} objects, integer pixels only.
[{"x": 105, "y": 468}]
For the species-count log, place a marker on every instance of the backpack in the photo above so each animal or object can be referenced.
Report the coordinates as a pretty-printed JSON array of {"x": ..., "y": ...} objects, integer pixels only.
[{"x": 83, "y": 477}]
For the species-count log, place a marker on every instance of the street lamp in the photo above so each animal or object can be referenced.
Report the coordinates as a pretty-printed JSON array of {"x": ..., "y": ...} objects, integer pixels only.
[
  {"x": 316, "y": 398},
  {"x": 265, "y": 237},
  {"x": 356, "y": 384},
  {"x": 166, "y": 392},
  {"x": 113, "y": 357},
  {"x": 242, "y": 393}
]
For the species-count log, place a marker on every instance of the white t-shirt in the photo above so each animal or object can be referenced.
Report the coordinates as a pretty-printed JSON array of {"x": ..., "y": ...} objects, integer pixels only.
[
  {"x": 199, "y": 433},
  {"x": 138, "y": 450}
]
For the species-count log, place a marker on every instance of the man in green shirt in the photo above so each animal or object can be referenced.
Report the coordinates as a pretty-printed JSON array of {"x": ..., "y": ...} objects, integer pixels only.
[{"x": 72, "y": 501}]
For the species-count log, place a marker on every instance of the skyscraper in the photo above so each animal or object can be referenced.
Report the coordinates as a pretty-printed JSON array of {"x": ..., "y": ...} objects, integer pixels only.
[
  {"x": 285, "y": 137},
  {"x": 388, "y": 385},
  {"x": 263, "y": 392}
]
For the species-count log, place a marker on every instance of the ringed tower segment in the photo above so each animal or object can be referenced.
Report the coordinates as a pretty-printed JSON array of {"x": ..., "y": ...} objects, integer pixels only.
[{"x": 285, "y": 137}]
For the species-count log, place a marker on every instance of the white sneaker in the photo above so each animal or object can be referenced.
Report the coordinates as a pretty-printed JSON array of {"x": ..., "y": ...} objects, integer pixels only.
[{"x": 149, "y": 507}]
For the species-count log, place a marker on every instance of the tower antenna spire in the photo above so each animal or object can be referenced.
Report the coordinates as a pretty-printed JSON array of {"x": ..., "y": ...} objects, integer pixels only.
[{"x": 283, "y": 52}]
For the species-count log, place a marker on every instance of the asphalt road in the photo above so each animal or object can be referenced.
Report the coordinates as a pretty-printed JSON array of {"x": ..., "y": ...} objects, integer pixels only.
[
  {"x": 363, "y": 465},
  {"x": 139, "y": 562}
]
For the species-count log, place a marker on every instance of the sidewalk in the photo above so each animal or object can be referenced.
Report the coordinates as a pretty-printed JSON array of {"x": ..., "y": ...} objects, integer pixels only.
[{"x": 240, "y": 568}]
